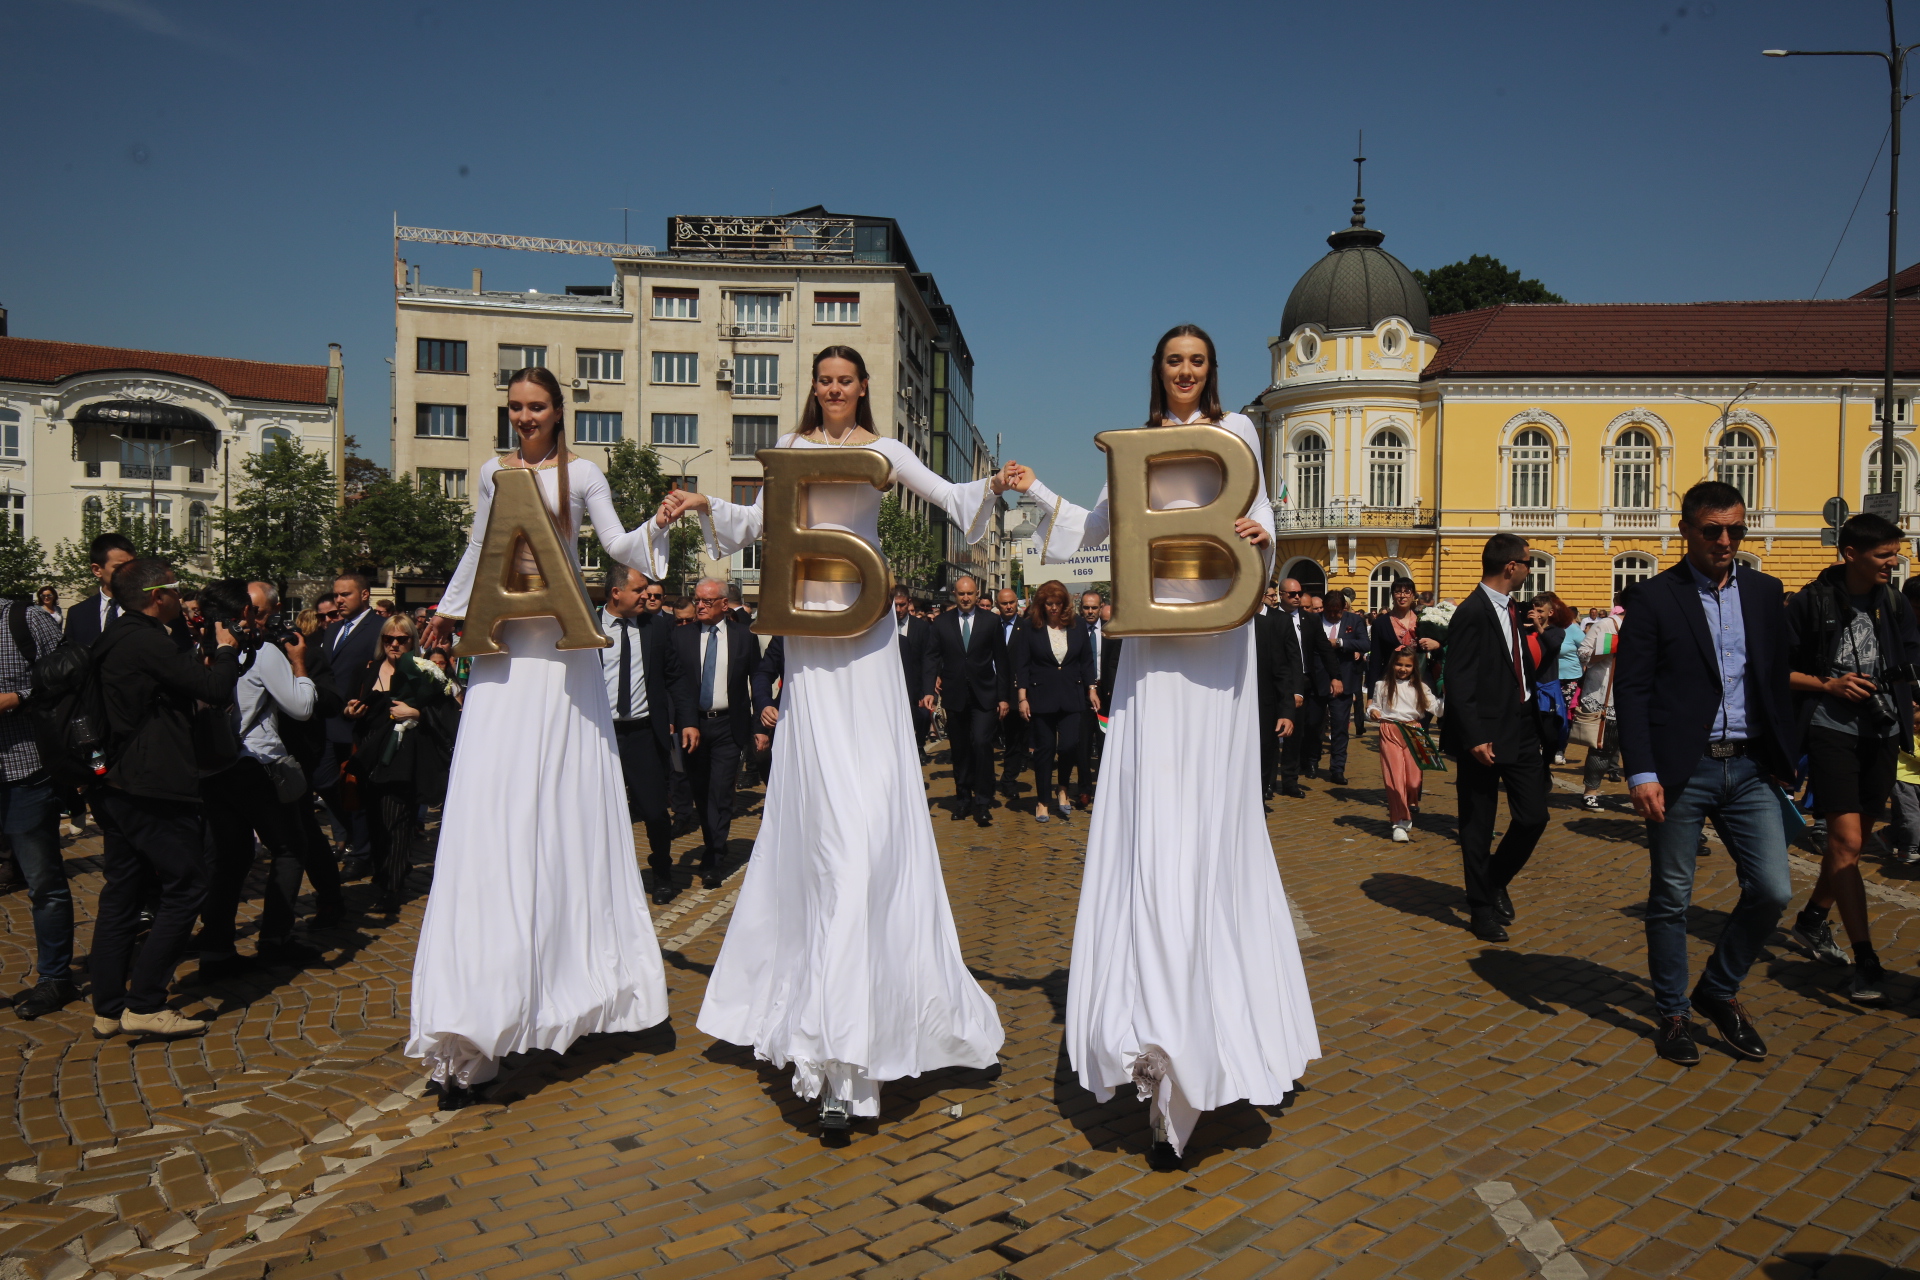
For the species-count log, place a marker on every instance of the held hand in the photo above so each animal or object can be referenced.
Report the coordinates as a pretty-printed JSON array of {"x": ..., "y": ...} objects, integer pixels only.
[
  {"x": 1004, "y": 708},
  {"x": 689, "y": 739},
  {"x": 1252, "y": 531},
  {"x": 1484, "y": 754},
  {"x": 770, "y": 717},
  {"x": 439, "y": 631},
  {"x": 926, "y": 703},
  {"x": 401, "y": 711},
  {"x": 1650, "y": 801},
  {"x": 761, "y": 742},
  {"x": 1852, "y": 686},
  {"x": 1428, "y": 643},
  {"x": 1283, "y": 727},
  {"x": 677, "y": 503},
  {"x": 1015, "y": 476},
  {"x": 295, "y": 647},
  {"x": 354, "y": 709}
]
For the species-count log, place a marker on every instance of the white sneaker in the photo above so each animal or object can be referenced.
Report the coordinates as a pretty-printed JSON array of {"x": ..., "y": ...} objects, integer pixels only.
[
  {"x": 1399, "y": 834},
  {"x": 1559, "y": 759},
  {"x": 164, "y": 1022}
]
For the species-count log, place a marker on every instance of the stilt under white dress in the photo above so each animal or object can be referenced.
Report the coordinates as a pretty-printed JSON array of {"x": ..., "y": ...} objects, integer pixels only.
[
  {"x": 1185, "y": 978},
  {"x": 537, "y": 929},
  {"x": 841, "y": 958}
]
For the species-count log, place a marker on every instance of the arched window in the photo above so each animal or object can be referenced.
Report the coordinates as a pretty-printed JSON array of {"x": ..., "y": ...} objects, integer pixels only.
[
  {"x": 1532, "y": 469},
  {"x": 1631, "y": 568},
  {"x": 92, "y": 513},
  {"x": 1633, "y": 470},
  {"x": 1539, "y": 576},
  {"x": 1387, "y": 469},
  {"x": 1899, "y": 474},
  {"x": 1380, "y": 584},
  {"x": 273, "y": 437},
  {"x": 1308, "y": 347},
  {"x": 1308, "y": 573},
  {"x": 1739, "y": 464},
  {"x": 1309, "y": 471},
  {"x": 197, "y": 526}
]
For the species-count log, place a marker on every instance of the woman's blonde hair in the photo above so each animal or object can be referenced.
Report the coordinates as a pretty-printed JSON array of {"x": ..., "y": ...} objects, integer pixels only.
[
  {"x": 400, "y": 625},
  {"x": 306, "y": 622}
]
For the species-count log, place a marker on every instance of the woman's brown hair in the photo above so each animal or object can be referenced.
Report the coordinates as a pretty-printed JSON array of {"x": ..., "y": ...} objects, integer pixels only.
[
  {"x": 1209, "y": 392},
  {"x": 1419, "y": 685},
  {"x": 1047, "y": 593},
  {"x": 543, "y": 378},
  {"x": 1561, "y": 614},
  {"x": 862, "y": 411}
]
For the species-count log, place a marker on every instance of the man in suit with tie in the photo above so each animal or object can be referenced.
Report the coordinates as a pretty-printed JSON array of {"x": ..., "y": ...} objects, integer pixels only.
[
  {"x": 967, "y": 667},
  {"x": 1348, "y": 640},
  {"x": 1013, "y": 729},
  {"x": 652, "y": 700},
  {"x": 88, "y": 618},
  {"x": 347, "y": 646},
  {"x": 1280, "y": 676},
  {"x": 1491, "y": 731},
  {"x": 1311, "y": 659},
  {"x": 1093, "y": 611},
  {"x": 913, "y": 665},
  {"x": 720, "y": 654}
]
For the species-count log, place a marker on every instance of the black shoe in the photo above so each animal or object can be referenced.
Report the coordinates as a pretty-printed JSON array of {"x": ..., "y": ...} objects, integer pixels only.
[
  {"x": 1292, "y": 791},
  {"x": 1735, "y": 1027},
  {"x": 1161, "y": 1158},
  {"x": 1674, "y": 1041},
  {"x": 983, "y": 816},
  {"x": 710, "y": 877},
  {"x": 684, "y": 826},
  {"x": 287, "y": 952},
  {"x": 1503, "y": 904},
  {"x": 1337, "y": 779},
  {"x": 326, "y": 919},
  {"x": 960, "y": 812},
  {"x": 663, "y": 893},
  {"x": 49, "y": 996},
  {"x": 223, "y": 967},
  {"x": 1310, "y": 771},
  {"x": 1591, "y": 804},
  {"x": 835, "y": 1115},
  {"x": 453, "y": 1096},
  {"x": 1486, "y": 925},
  {"x": 355, "y": 869}
]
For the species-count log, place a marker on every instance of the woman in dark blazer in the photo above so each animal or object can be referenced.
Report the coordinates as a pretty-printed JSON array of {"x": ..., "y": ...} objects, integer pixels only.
[
  {"x": 1052, "y": 656},
  {"x": 1543, "y": 638}
]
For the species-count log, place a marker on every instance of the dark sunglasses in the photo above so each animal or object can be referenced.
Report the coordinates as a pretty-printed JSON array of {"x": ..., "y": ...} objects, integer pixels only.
[
  {"x": 1293, "y": 593},
  {"x": 407, "y": 640},
  {"x": 1712, "y": 532}
]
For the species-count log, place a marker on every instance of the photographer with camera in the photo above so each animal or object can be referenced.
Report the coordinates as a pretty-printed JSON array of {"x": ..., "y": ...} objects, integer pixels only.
[
  {"x": 30, "y": 810},
  {"x": 261, "y": 791},
  {"x": 149, "y": 807},
  {"x": 1855, "y": 644}
]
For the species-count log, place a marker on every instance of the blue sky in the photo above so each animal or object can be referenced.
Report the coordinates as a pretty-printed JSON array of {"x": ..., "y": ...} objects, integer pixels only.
[{"x": 221, "y": 177}]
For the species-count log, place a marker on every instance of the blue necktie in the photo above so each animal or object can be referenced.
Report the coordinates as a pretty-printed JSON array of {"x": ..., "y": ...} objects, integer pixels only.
[
  {"x": 707, "y": 666},
  {"x": 966, "y": 628}
]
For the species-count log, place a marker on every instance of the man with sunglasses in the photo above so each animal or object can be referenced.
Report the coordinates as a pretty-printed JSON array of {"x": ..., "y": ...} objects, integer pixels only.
[
  {"x": 1701, "y": 690},
  {"x": 1310, "y": 660}
]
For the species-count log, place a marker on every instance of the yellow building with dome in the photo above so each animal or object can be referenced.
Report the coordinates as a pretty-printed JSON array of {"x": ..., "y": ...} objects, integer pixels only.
[{"x": 1396, "y": 442}]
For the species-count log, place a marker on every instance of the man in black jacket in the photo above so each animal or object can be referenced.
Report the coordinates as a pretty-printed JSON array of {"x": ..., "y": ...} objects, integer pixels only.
[
  {"x": 1281, "y": 678},
  {"x": 1311, "y": 661},
  {"x": 149, "y": 808},
  {"x": 1013, "y": 729},
  {"x": 1492, "y": 733},
  {"x": 346, "y": 647},
  {"x": 967, "y": 667},
  {"x": 88, "y": 618},
  {"x": 1700, "y": 685},
  {"x": 719, "y": 654},
  {"x": 913, "y": 666},
  {"x": 651, "y": 698}
]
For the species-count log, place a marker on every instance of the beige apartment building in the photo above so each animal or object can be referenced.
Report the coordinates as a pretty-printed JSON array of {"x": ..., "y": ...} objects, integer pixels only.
[{"x": 701, "y": 354}]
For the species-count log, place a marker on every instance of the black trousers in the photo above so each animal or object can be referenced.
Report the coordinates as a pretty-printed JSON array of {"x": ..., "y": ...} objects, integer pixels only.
[
  {"x": 1334, "y": 714},
  {"x": 645, "y": 768},
  {"x": 331, "y": 784},
  {"x": 714, "y": 772},
  {"x": 1308, "y": 720},
  {"x": 393, "y": 822},
  {"x": 240, "y": 803},
  {"x": 1082, "y": 756},
  {"x": 1270, "y": 741},
  {"x": 1524, "y": 779},
  {"x": 142, "y": 839},
  {"x": 970, "y": 733},
  {"x": 1015, "y": 737},
  {"x": 1056, "y": 745}
]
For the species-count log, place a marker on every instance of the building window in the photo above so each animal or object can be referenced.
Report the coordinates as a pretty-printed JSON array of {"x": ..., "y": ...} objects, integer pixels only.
[
  {"x": 680, "y": 368},
  {"x": 1739, "y": 464},
  {"x": 1309, "y": 471},
  {"x": 676, "y": 428},
  {"x": 1390, "y": 341},
  {"x": 753, "y": 432},
  {"x": 599, "y": 366},
  {"x": 836, "y": 308},
  {"x": 1532, "y": 469},
  {"x": 504, "y": 436},
  {"x": 159, "y": 510},
  {"x": 1380, "y": 584},
  {"x": 1899, "y": 408},
  {"x": 1307, "y": 346},
  {"x": 756, "y": 313},
  {"x": 13, "y": 510},
  {"x": 438, "y": 421},
  {"x": 9, "y": 433},
  {"x": 1631, "y": 568},
  {"x": 1899, "y": 474},
  {"x": 276, "y": 437},
  {"x": 596, "y": 428},
  {"x": 450, "y": 484},
  {"x": 439, "y": 355},
  {"x": 746, "y": 491},
  {"x": 93, "y": 510},
  {"x": 514, "y": 359},
  {"x": 1633, "y": 471},
  {"x": 756, "y": 376},
  {"x": 690, "y": 483},
  {"x": 1539, "y": 576},
  {"x": 590, "y": 559},
  {"x": 197, "y": 535},
  {"x": 676, "y": 304},
  {"x": 1387, "y": 469}
]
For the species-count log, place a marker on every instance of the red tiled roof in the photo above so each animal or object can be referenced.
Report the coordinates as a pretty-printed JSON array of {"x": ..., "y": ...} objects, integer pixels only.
[
  {"x": 35, "y": 360},
  {"x": 1838, "y": 337},
  {"x": 1904, "y": 285}
]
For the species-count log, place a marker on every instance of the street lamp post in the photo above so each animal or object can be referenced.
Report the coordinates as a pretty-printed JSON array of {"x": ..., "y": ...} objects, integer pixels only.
[
  {"x": 1895, "y": 56},
  {"x": 684, "y": 463}
]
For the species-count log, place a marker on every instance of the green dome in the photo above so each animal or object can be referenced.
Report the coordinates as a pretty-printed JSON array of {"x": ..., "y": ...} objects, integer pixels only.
[{"x": 1356, "y": 286}]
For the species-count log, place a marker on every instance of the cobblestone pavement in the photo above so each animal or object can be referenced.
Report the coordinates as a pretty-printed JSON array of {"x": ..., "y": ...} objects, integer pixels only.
[{"x": 1481, "y": 1111}]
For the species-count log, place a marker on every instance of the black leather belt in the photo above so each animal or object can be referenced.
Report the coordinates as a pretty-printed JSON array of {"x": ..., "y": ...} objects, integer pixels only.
[
  {"x": 632, "y": 723},
  {"x": 1726, "y": 750},
  {"x": 716, "y": 715}
]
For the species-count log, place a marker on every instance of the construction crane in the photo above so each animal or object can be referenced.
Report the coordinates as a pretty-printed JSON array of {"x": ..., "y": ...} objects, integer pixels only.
[{"x": 538, "y": 244}]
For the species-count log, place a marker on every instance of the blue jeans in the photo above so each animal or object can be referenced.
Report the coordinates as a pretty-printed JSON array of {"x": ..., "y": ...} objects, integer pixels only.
[
  {"x": 1742, "y": 800},
  {"x": 29, "y": 816}
]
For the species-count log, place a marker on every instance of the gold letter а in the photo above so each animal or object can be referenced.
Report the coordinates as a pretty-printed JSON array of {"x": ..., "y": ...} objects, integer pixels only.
[{"x": 498, "y": 594}]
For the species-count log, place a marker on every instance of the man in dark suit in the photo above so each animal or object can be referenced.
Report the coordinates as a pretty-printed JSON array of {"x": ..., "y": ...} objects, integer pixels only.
[
  {"x": 913, "y": 665},
  {"x": 1280, "y": 676},
  {"x": 346, "y": 647},
  {"x": 1013, "y": 728},
  {"x": 1701, "y": 683},
  {"x": 88, "y": 618},
  {"x": 966, "y": 666},
  {"x": 1492, "y": 733},
  {"x": 651, "y": 697},
  {"x": 1307, "y": 652},
  {"x": 719, "y": 654},
  {"x": 1347, "y": 640}
]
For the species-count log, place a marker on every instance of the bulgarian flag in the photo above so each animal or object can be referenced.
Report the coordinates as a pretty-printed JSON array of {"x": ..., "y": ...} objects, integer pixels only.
[{"x": 1607, "y": 645}]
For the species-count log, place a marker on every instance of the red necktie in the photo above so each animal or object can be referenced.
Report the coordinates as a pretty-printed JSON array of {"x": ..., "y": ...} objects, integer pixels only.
[{"x": 1519, "y": 668}]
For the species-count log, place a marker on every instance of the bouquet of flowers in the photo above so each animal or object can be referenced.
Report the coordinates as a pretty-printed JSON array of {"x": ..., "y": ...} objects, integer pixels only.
[{"x": 1434, "y": 620}]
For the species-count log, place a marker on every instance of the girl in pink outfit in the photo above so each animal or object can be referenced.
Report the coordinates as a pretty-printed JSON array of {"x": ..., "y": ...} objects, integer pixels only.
[{"x": 1402, "y": 698}]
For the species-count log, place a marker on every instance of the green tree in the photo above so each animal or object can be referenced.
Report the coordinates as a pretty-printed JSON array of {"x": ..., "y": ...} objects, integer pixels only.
[
  {"x": 150, "y": 535},
  {"x": 23, "y": 565},
  {"x": 639, "y": 486},
  {"x": 908, "y": 542},
  {"x": 1478, "y": 282},
  {"x": 361, "y": 474},
  {"x": 398, "y": 523},
  {"x": 281, "y": 525}
]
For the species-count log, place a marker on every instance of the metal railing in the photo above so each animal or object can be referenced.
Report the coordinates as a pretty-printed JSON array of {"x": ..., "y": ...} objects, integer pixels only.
[
  {"x": 750, "y": 329},
  {"x": 1351, "y": 514},
  {"x": 143, "y": 471}
]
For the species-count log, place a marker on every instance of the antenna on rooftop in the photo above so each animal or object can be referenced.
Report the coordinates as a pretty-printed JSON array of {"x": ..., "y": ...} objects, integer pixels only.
[{"x": 1359, "y": 218}]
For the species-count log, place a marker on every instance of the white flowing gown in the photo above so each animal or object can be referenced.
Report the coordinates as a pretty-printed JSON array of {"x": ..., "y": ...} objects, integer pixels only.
[
  {"x": 1185, "y": 979},
  {"x": 537, "y": 930},
  {"x": 842, "y": 957}
]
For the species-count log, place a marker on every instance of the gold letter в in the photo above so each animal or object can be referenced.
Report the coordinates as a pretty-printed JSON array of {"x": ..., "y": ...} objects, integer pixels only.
[
  {"x": 794, "y": 554},
  {"x": 499, "y": 594},
  {"x": 1184, "y": 542}
]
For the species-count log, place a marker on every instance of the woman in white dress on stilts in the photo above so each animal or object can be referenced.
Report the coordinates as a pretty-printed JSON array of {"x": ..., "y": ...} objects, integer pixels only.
[
  {"x": 841, "y": 957},
  {"x": 537, "y": 930},
  {"x": 1185, "y": 981}
]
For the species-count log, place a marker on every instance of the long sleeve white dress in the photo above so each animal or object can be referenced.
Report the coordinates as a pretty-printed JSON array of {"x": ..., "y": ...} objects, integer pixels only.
[
  {"x": 1185, "y": 979},
  {"x": 537, "y": 930},
  {"x": 842, "y": 957}
]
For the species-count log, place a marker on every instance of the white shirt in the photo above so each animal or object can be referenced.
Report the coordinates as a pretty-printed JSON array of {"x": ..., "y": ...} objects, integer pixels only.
[
  {"x": 1500, "y": 607},
  {"x": 1057, "y": 637},
  {"x": 1096, "y": 638},
  {"x": 271, "y": 677},
  {"x": 610, "y": 664},
  {"x": 717, "y": 635},
  {"x": 106, "y": 608},
  {"x": 1404, "y": 706}
]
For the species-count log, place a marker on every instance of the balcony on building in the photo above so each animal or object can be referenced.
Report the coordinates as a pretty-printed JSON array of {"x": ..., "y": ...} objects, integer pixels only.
[{"x": 1349, "y": 513}]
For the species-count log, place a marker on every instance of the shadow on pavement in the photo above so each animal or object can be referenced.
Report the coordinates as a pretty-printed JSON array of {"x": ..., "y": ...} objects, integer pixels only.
[
  {"x": 1611, "y": 830},
  {"x": 899, "y": 1099},
  {"x": 1798, "y": 1265},
  {"x": 1418, "y": 896},
  {"x": 1120, "y": 1123},
  {"x": 525, "y": 1075},
  {"x": 1054, "y": 986},
  {"x": 1538, "y": 981}
]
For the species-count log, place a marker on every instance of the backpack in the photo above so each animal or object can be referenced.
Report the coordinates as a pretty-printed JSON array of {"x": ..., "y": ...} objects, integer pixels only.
[{"x": 66, "y": 709}]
